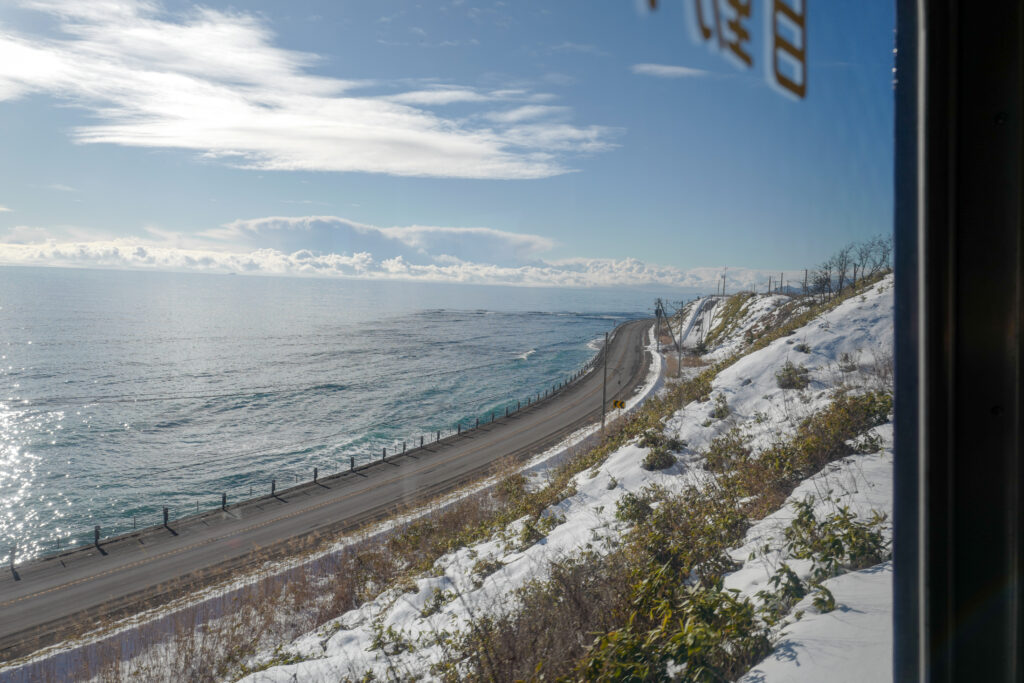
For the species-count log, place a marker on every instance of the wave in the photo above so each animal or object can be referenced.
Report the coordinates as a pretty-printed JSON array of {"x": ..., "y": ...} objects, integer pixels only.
[{"x": 524, "y": 356}]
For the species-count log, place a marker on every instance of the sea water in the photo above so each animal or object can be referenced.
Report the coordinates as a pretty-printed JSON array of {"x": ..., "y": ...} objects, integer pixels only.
[{"x": 124, "y": 392}]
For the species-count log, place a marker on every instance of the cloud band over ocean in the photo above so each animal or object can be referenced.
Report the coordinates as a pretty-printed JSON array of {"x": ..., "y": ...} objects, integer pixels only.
[{"x": 329, "y": 246}]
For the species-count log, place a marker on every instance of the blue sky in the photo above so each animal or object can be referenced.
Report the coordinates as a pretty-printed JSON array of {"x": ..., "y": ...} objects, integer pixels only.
[{"x": 573, "y": 143}]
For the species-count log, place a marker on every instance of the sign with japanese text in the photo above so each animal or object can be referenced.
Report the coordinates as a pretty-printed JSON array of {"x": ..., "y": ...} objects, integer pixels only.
[{"x": 726, "y": 25}]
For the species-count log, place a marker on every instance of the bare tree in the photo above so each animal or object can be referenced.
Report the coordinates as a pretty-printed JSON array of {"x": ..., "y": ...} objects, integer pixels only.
[
  {"x": 865, "y": 252},
  {"x": 820, "y": 281},
  {"x": 880, "y": 253},
  {"x": 842, "y": 260}
]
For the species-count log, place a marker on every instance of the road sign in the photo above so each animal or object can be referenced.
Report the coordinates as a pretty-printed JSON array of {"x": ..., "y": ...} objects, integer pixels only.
[{"x": 618, "y": 404}]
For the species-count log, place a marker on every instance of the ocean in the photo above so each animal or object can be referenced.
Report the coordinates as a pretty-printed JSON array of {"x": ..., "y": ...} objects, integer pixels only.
[{"x": 124, "y": 392}]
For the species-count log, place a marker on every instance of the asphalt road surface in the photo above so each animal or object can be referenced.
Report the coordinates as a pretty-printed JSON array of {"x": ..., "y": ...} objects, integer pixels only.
[{"x": 42, "y": 601}]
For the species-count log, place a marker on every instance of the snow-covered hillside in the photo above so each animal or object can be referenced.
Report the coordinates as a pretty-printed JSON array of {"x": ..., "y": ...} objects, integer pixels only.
[{"x": 405, "y": 629}]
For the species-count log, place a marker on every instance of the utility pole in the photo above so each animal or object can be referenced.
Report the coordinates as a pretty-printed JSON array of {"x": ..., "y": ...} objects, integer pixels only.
[
  {"x": 657, "y": 335},
  {"x": 679, "y": 344},
  {"x": 604, "y": 387}
]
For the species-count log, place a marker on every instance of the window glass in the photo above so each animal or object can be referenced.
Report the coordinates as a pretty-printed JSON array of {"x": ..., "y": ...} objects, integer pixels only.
[{"x": 255, "y": 256}]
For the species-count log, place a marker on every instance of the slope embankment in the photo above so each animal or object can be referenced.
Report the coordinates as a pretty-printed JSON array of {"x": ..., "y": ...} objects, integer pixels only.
[{"x": 719, "y": 514}]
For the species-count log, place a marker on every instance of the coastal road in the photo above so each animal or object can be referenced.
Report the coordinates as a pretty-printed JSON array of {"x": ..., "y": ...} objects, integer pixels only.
[{"x": 46, "y": 600}]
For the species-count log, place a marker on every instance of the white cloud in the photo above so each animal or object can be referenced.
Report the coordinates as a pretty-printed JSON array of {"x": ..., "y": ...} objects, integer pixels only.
[
  {"x": 524, "y": 113},
  {"x": 214, "y": 82},
  {"x": 440, "y": 96},
  {"x": 25, "y": 234},
  {"x": 583, "y": 48},
  {"x": 3, "y": 209},
  {"x": 556, "y": 137},
  {"x": 669, "y": 71},
  {"x": 331, "y": 246},
  {"x": 415, "y": 243},
  {"x": 136, "y": 254}
]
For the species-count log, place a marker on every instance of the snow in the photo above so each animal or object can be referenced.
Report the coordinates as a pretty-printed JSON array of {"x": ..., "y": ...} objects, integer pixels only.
[
  {"x": 853, "y": 641},
  {"x": 850, "y": 644}
]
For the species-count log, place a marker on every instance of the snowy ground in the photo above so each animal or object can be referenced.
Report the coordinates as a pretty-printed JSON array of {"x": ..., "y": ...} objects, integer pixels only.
[
  {"x": 850, "y": 644},
  {"x": 393, "y": 635}
]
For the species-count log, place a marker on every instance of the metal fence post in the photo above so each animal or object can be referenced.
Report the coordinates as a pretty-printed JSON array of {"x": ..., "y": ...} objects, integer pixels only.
[
  {"x": 96, "y": 535},
  {"x": 166, "y": 515},
  {"x": 384, "y": 453},
  {"x": 352, "y": 463},
  {"x": 223, "y": 501},
  {"x": 316, "y": 473},
  {"x": 273, "y": 487}
]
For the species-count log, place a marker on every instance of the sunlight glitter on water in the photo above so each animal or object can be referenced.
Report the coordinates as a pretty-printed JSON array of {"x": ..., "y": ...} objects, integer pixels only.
[{"x": 30, "y": 514}]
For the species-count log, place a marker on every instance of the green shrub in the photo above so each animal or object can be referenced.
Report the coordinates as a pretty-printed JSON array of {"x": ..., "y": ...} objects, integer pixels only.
[
  {"x": 655, "y": 438},
  {"x": 658, "y": 458},
  {"x": 802, "y": 348},
  {"x": 838, "y": 543},
  {"x": 823, "y": 600},
  {"x": 721, "y": 409},
  {"x": 690, "y": 532},
  {"x": 483, "y": 568},
  {"x": 634, "y": 507},
  {"x": 788, "y": 589},
  {"x": 847, "y": 362},
  {"x": 792, "y": 376},
  {"x": 727, "y": 449},
  {"x": 715, "y": 633},
  {"x": 436, "y": 602}
]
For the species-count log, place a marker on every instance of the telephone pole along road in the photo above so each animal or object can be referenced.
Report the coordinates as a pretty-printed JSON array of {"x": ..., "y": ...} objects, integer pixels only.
[{"x": 42, "y": 600}]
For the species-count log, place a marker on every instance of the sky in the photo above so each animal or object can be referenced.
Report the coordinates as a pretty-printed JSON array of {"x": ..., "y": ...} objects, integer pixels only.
[{"x": 572, "y": 143}]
